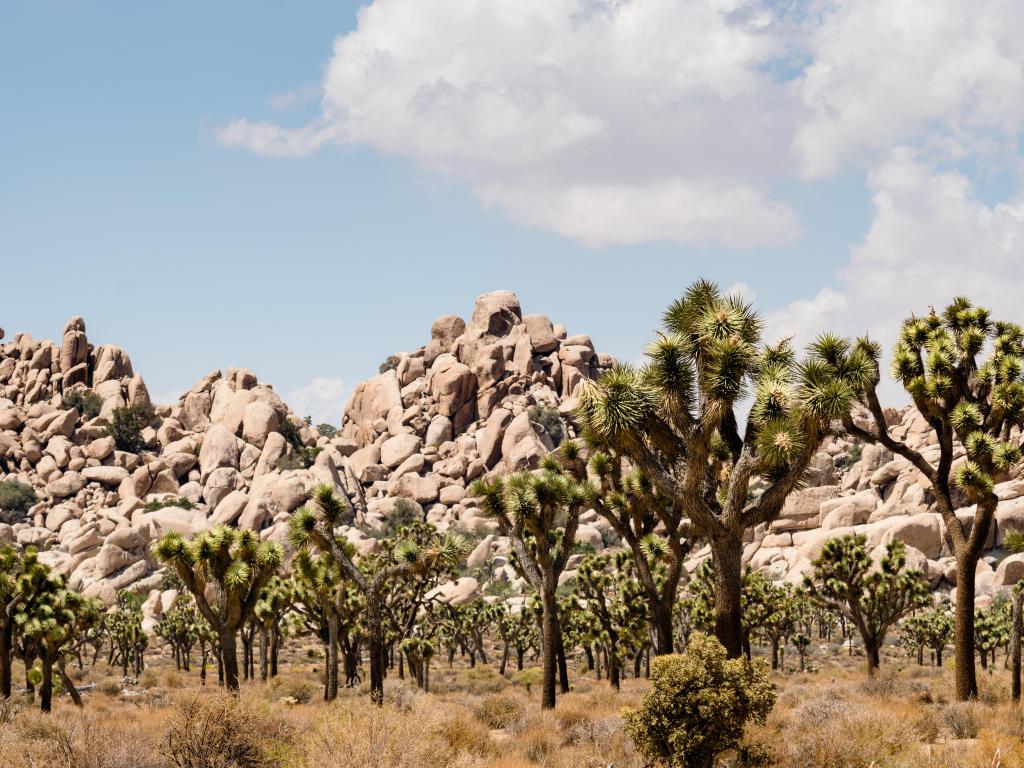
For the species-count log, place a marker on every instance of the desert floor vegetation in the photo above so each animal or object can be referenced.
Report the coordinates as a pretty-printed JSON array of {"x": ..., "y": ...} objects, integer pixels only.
[{"x": 831, "y": 715}]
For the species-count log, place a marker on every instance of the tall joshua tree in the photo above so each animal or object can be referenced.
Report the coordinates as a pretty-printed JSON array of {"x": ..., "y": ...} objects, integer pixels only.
[
  {"x": 313, "y": 526},
  {"x": 966, "y": 401},
  {"x": 676, "y": 420},
  {"x": 539, "y": 513},
  {"x": 225, "y": 570}
]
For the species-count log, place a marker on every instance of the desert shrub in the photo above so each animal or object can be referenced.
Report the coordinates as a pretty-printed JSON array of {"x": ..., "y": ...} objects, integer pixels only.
[
  {"x": 698, "y": 704},
  {"x": 528, "y": 678},
  {"x": 303, "y": 458},
  {"x": 927, "y": 724},
  {"x": 405, "y": 512},
  {"x": 464, "y": 735},
  {"x": 1014, "y": 541},
  {"x": 215, "y": 729},
  {"x": 883, "y": 685},
  {"x": 500, "y": 711},
  {"x": 961, "y": 717},
  {"x": 390, "y": 364},
  {"x": 291, "y": 433},
  {"x": 148, "y": 679},
  {"x": 851, "y": 457},
  {"x": 16, "y": 497},
  {"x": 180, "y": 501},
  {"x": 828, "y": 732},
  {"x": 126, "y": 427},
  {"x": 548, "y": 417},
  {"x": 327, "y": 430},
  {"x": 290, "y": 687},
  {"x": 480, "y": 680},
  {"x": 92, "y": 741},
  {"x": 85, "y": 401}
]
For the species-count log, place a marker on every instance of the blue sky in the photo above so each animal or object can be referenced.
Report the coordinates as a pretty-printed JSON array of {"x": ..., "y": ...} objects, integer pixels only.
[{"x": 139, "y": 189}]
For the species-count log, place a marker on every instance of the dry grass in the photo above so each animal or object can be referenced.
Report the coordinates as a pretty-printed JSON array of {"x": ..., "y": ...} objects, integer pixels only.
[{"x": 831, "y": 718}]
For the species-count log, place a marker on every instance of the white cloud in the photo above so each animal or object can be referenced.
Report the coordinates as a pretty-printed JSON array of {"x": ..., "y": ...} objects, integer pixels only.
[
  {"x": 945, "y": 72},
  {"x": 606, "y": 121},
  {"x": 282, "y": 102},
  {"x": 623, "y": 121},
  {"x": 931, "y": 239},
  {"x": 322, "y": 399}
]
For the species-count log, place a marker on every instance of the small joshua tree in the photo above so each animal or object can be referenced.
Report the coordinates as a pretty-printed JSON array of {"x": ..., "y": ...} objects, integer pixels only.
[
  {"x": 235, "y": 566},
  {"x": 698, "y": 705},
  {"x": 539, "y": 513},
  {"x": 873, "y": 597},
  {"x": 313, "y": 526}
]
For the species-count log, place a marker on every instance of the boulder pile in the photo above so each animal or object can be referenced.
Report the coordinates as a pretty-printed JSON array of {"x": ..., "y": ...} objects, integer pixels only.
[{"x": 491, "y": 395}]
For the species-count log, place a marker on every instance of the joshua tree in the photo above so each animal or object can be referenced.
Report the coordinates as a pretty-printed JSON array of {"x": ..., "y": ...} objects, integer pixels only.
[
  {"x": 872, "y": 597},
  {"x": 1016, "y": 629},
  {"x": 327, "y": 606},
  {"x": 51, "y": 621},
  {"x": 635, "y": 508},
  {"x": 518, "y": 632},
  {"x": 179, "y": 628},
  {"x": 21, "y": 577},
  {"x": 609, "y": 592},
  {"x": 274, "y": 604},
  {"x": 539, "y": 513},
  {"x": 123, "y": 625},
  {"x": 314, "y": 526},
  {"x": 676, "y": 420},
  {"x": 963, "y": 400},
  {"x": 235, "y": 567}
]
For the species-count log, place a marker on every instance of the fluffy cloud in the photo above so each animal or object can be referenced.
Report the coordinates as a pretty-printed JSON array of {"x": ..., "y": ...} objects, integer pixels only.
[
  {"x": 606, "y": 121},
  {"x": 322, "y": 399},
  {"x": 622, "y": 121},
  {"x": 931, "y": 238}
]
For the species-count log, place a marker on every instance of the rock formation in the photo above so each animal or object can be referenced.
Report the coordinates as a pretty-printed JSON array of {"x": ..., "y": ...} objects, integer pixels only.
[{"x": 478, "y": 397}]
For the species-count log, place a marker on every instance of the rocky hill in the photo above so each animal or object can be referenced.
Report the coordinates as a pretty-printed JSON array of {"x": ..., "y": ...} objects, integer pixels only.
[{"x": 491, "y": 395}]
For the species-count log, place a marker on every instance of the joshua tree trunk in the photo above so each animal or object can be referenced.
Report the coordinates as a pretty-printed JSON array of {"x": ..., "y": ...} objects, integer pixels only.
[
  {"x": 375, "y": 628},
  {"x": 229, "y": 660},
  {"x": 331, "y": 683},
  {"x": 275, "y": 643},
  {"x": 68, "y": 684},
  {"x": 504, "y": 659},
  {"x": 871, "y": 652},
  {"x": 661, "y": 617},
  {"x": 964, "y": 672},
  {"x": 6, "y": 637},
  {"x": 264, "y": 657},
  {"x": 46, "y": 689},
  {"x": 727, "y": 552},
  {"x": 549, "y": 624},
  {"x": 1016, "y": 627}
]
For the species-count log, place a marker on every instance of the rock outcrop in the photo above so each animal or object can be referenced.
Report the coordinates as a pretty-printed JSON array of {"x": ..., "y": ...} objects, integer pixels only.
[{"x": 479, "y": 397}]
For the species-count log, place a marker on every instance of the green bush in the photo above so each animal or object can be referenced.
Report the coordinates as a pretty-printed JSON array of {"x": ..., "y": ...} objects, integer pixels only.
[
  {"x": 181, "y": 501},
  {"x": 327, "y": 430},
  {"x": 698, "y": 705},
  {"x": 548, "y": 418},
  {"x": 126, "y": 427},
  {"x": 85, "y": 401},
  {"x": 292, "y": 434},
  {"x": 851, "y": 457},
  {"x": 303, "y": 458},
  {"x": 390, "y": 364},
  {"x": 1014, "y": 541},
  {"x": 500, "y": 711},
  {"x": 16, "y": 497}
]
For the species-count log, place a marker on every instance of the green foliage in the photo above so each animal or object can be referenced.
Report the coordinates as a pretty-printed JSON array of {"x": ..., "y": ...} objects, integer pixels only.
[
  {"x": 390, "y": 364},
  {"x": 180, "y": 501},
  {"x": 16, "y": 496},
  {"x": 528, "y": 678},
  {"x": 85, "y": 401},
  {"x": 698, "y": 705},
  {"x": 302, "y": 458},
  {"x": 1014, "y": 541},
  {"x": 851, "y": 457},
  {"x": 872, "y": 598},
  {"x": 126, "y": 427},
  {"x": 548, "y": 418},
  {"x": 291, "y": 433},
  {"x": 327, "y": 430}
]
